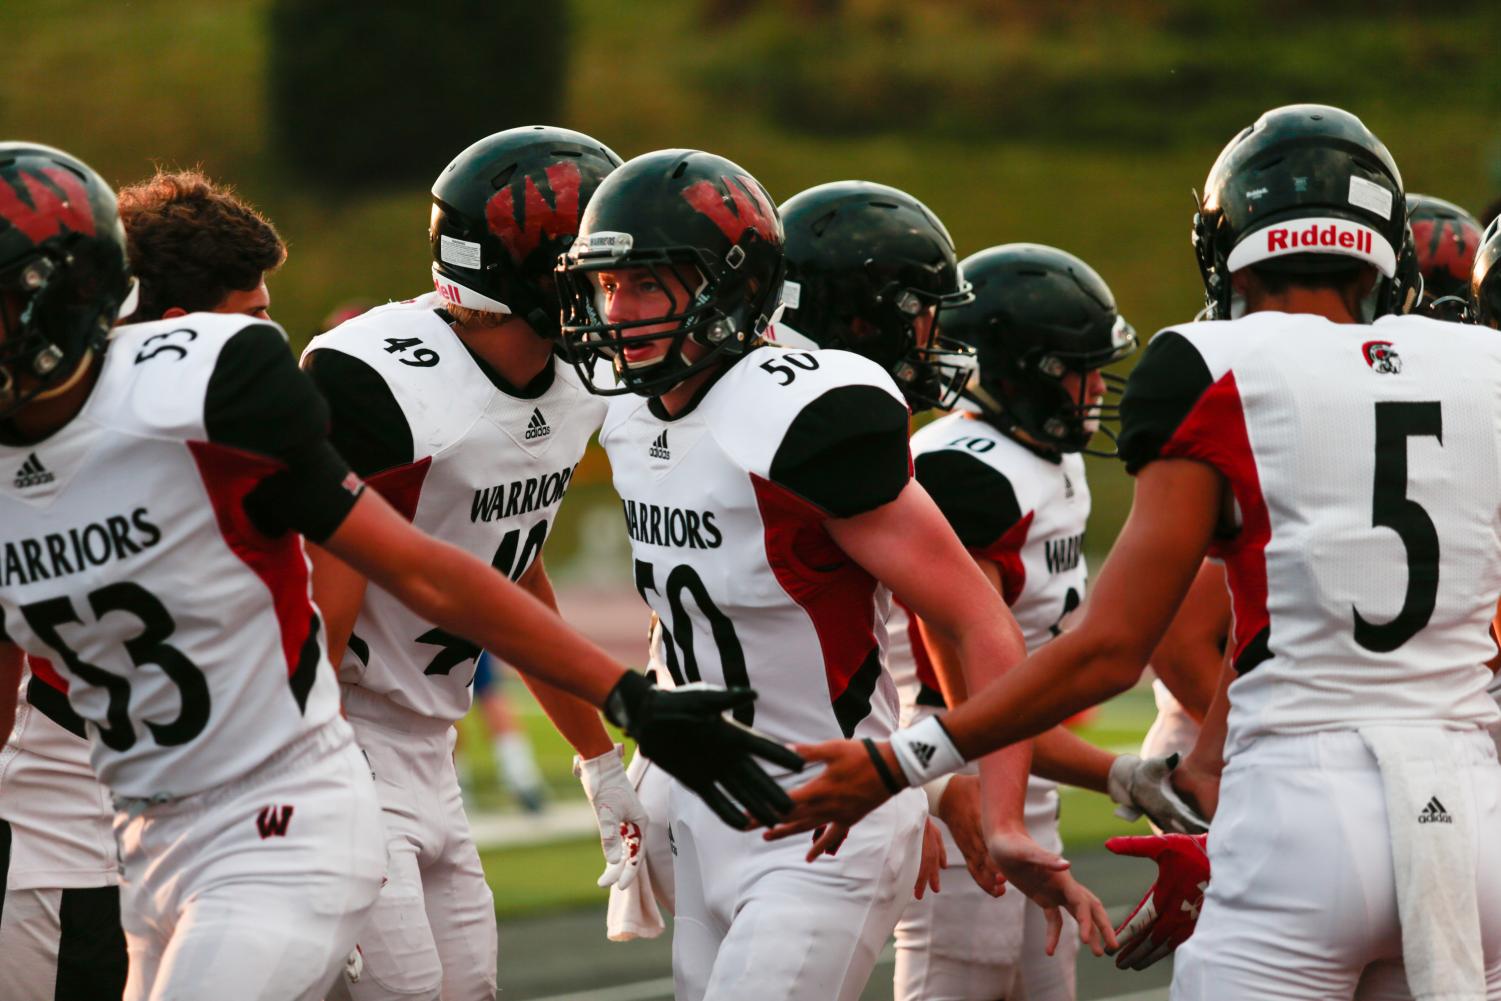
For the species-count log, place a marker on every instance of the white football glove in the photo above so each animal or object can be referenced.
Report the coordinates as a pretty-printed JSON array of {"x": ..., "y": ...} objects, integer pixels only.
[
  {"x": 1145, "y": 787},
  {"x": 622, "y": 818}
]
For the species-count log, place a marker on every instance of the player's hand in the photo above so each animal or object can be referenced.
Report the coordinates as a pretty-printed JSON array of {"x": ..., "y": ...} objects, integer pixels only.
[
  {"x": 619, "y": 812},
  {"x": 934, "y": 858},
  {"x": 827, "y": 840},
  {"x": 1044, "y": 877},
  {"x": 1166, "y": 916},
  {"x": 960, "y": 810},
  {"x": 1144, "y": 786},
  {"x": 686, "y": 732},
  {"x": 845, "y": 791}
]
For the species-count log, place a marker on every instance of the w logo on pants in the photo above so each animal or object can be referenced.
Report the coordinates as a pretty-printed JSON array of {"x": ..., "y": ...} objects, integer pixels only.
[{"x": 272, "y": 821}]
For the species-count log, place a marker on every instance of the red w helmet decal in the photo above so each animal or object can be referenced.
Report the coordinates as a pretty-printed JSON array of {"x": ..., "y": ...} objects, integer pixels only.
[
  {"x": 1446, "y": 245},
  {"x": 747, "y": 206},
  {"x": 560, "y": 220},
  {"x": 48, "y": 212}
]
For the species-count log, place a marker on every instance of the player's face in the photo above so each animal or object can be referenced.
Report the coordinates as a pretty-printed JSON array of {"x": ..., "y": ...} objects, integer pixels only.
[
  {"x": 636, "y": 294},
  {"x": 1089, "y": 389},
  {"x": 924, "y": 325},
  {"x": 256, "y": 302}
]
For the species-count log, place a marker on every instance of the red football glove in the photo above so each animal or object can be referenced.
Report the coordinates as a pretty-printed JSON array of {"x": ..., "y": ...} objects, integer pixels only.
[{"x": 1166, "y": 916}]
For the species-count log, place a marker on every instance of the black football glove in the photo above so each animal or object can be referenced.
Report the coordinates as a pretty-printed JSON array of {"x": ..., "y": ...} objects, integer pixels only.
[{"x": 686, "y": 732}]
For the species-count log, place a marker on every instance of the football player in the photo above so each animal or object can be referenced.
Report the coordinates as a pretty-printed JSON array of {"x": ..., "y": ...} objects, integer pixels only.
[
  {"x": 1445, "y": 238},
  {"x": 859, "y": 256},
  {"x": 768, "y": 499},
  {"x": 1343, "y": 461},
  {"x": 452, "y": 406},
  {"x": 194, "y": 246},
  {"x": 152, "y": 555}
]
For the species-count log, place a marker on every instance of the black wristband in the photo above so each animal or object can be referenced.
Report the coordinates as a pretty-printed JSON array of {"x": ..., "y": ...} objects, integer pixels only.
[
  {"x": 622, "y": 704},
  {"x": 882, "y": 769}
]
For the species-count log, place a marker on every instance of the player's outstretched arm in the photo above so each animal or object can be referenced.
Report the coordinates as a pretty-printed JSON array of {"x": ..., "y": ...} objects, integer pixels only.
[
  {"x": 1177, "y": 507},
  {"x": 961, "y": 613},
  {"x": 339, "y": 590},
  {"x": 683, "y": 731}
]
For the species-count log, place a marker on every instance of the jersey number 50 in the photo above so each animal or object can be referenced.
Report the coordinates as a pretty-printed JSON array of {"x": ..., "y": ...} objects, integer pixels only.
[{"x": 684, "y": 579}]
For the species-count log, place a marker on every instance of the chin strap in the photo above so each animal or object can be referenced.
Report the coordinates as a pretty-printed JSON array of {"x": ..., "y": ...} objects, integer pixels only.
[{"x": 79, "y": 371}]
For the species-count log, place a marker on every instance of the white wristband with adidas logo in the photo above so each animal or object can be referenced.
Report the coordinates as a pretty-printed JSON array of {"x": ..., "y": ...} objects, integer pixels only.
[{"x": 925, "y": 751}]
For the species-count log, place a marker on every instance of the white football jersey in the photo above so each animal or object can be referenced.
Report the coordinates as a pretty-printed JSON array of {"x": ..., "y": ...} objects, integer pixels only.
[
  {"x": 1365, "y": 463},
  {"x": 136, "y": 558},
  {"x": 1025, "y": 511},
  {"x": 59, "y": 814},
  {"x": 725, "y": 507},
  {"x": 469, "y": 462}
]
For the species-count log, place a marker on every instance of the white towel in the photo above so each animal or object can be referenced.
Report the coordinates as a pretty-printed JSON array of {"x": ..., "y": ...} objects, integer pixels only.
[
  {"x": 1432, "y": 820},
  {"x": 633, "y": 912}
]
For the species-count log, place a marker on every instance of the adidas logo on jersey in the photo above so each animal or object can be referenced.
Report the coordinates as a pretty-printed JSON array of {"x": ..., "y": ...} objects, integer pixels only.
[
  {"x": 658, "y": 448},
  {"x": 537, "y": 427},
  {"x": 32, "y": 473},
  {"x": 1434, "y": 813}
]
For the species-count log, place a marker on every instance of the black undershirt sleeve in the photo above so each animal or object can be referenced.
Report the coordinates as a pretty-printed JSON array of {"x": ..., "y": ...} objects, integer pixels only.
[
  {"x": 976, "y": 498},
  {"x": 1162, "y": 391},
  {"x": 846, "y": 452},
  {"x": 259, "y": 401},
  {"x": 367, "y": 426}
]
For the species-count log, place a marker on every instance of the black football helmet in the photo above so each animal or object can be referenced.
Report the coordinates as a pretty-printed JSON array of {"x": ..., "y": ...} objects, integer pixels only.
[
  {"x": 1445, "y": 238},
  {"x": 864, "y": 261},
  {"x": 688, "y": 212},
  {"x": 1039, "y": 313},
  {"x": 1485, "y": 279},
  {"x": 504, "y": 210},
  {"x": 63, "y": 269},
  {"x": 1306, "y": 189}
]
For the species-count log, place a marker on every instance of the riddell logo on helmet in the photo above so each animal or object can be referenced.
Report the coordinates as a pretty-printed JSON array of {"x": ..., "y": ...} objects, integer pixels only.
[
  {"x": 448, "y": 292},
  {"x": 1286, "y": 238}
]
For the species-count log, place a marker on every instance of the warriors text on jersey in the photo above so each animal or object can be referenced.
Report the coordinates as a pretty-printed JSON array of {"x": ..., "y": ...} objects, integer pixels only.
[
  {"x": 467, "y": 458},
  {"x": 151, "y": 555},
  {"x": 1365, "y": 464},
  {"x": 725, "y": 507}
]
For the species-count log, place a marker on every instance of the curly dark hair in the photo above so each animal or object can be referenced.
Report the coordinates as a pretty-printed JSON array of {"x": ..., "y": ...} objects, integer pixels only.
[{"x": 192, "y": 242}]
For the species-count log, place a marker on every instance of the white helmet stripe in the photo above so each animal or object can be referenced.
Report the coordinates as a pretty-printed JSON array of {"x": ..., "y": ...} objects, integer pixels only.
[
  {"x": 1315, "y": 235},
  {"x": 452, "y": 292}
]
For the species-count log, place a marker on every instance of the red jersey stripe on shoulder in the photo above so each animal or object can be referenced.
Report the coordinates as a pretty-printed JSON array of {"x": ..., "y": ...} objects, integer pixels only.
[
  {"x": 1214, "y": 432},
  {"x": 229, "y": 475},
  {"x": 835, "y": 592},
  {"x": 401, "y": 486}
]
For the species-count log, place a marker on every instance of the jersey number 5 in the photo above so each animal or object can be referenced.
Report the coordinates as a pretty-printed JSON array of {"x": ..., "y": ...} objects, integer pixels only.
[
  {"x": 1392, "y": 508},
  {"x": 684, "y": 579}
]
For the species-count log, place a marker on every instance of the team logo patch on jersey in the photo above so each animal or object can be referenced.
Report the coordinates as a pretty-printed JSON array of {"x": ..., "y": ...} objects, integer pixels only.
[
  {"x": 272, "y": 821},
  {"x": 32, "y": 473},
  {"x": 658, "y": 449},
  {"x": 537, "y": 427},
  {"x": 1382, "y": 357},
  {"x": 1434, "y": 813}
]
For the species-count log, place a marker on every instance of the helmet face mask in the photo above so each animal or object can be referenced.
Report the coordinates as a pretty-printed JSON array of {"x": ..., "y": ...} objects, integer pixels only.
[
  {"x": 63, "y": 271},
  {"x": 1307, "y": 189},
  {"x": 1044, "y": 324},
  {"x": 703, "y": 234},
  {"x": 873, "y": 272}
]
